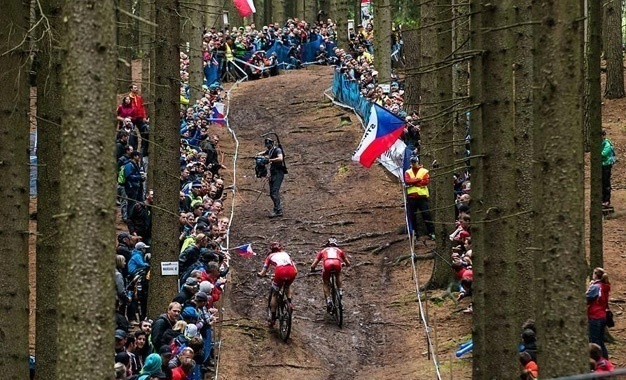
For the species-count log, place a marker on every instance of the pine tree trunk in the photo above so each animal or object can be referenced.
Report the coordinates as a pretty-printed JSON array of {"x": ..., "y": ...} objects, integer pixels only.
[
  {"x": 290, "y": 9},
  {"x": 310, "y": 11},
  {"x": 436, "y": 125},
  {"x": 49, "y": 120},
  {"x": 412, "y": 48},
  {"x": 339, "y": 14},
  {"x": 523, "y": 272},
  {"x": 558, "y": 184},
  {"x": 87, "y": 190},
  {"x": 278, "y": 12},
  {"x": 497, "y": 204},
  {"x": 440, "y": 140},
  {"x": 146, "y": 45},
  {"x": 593, "y": 112},
  {"x": 478, "y": 191},
  {"x": 269, "y": 16},
  {"x": 460, "y": 75},
  {"x": 259, "y": 16},
  {"x": 165, "y": 159},
  {"x": 14, "y": 190},
  {"x": 191, "y": 31},
  {"x": 382, "y": 39},
  {"x": 356, "y": 8},
  {"x": 124, "y": 35},
  {"x": 299, "y": 9},
  {"x": 612, "y": 43}
]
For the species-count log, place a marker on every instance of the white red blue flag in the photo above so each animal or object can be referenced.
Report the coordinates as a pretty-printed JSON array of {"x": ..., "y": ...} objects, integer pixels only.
[
  {"x": 218, "y": 113},
  {"x": 383, "y": 129},
  {"x": 245, "y": 250},
  {"x": 244, "y": 7}
]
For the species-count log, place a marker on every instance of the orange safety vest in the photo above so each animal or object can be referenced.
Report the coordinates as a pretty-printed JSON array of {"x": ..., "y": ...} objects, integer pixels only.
[{"x": 421, "y": 191}]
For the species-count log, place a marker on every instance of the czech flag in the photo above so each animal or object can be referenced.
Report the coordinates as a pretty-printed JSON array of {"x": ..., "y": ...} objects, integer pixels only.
[
  {"x": 245, "y": 250},
  {"x": 218, "y": 113},
  {"x": 382, "y": 131},
  {"x": 244, "y": 7}
]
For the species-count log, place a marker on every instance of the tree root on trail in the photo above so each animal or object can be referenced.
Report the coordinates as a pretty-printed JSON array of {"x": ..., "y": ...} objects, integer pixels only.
[
  {"x": 317, "y": 232},
  {"x": 387, "y": 323},
  {"x": 366, "y": 235},
  {"x": 297, "y": 366},
  {"x": 387, "y": 245},
  {"x": 362, "y": 263},
  {"x": 400, "y": 259}
]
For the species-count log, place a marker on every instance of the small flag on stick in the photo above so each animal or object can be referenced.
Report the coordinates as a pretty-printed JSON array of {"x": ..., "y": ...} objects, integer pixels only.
[{"x": 245, "y": 250}]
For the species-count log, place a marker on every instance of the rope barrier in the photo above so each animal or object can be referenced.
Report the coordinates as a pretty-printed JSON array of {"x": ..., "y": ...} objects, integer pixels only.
[
  {"x": 427, "y": 328},
  {"x": 217, "y": 344}
]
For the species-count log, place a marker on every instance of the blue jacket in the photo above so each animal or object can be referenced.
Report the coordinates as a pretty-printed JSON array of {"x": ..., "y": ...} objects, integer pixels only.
[
  {"x": 136, "y": 262},
  {"x": 133, "y": 176}
]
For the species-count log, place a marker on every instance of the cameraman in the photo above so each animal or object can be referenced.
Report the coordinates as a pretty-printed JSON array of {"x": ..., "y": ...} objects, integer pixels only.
[{"x": 277, "y": 173}]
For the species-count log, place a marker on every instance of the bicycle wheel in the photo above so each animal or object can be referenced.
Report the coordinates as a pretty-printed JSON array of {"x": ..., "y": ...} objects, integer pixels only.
[
  {"x": 269, "y": 302},
  {"x": 284, "y": 315},
  {"x": 337, "y": 305}
]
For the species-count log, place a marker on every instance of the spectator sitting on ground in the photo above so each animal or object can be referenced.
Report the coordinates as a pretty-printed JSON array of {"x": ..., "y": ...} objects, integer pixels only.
[
  {"x": 530, "y": 370},
  {"x": 602, "y": 364}
]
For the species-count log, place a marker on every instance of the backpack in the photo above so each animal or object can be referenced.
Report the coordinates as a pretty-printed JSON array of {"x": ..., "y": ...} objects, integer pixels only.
[{"x": 121, "y": 177}]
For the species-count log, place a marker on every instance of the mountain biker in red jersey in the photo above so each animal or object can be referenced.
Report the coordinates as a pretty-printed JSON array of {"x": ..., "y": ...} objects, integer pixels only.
[
  {"x": 284, "y": 274},
  {"x": 332, "y": 258}
]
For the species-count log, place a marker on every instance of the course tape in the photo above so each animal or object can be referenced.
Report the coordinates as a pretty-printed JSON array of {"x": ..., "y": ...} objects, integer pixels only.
[
  {"x": 217, "y": 344},
  {"x": 431, "y": 348}
]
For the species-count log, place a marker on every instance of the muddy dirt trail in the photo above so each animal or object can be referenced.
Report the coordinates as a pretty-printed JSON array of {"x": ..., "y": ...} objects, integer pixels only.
[{"x": 324, "y": 195}]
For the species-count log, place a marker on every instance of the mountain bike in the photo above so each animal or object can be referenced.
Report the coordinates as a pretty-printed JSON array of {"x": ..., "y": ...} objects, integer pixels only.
[
  {"x": 336, "y": 309},
  {"x": 283, "y": 312}
]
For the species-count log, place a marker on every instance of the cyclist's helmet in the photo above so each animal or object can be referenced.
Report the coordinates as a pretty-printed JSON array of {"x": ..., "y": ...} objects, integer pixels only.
[
  {"x": 276, "y": 246},
  {"x": 331, "y": 242}
]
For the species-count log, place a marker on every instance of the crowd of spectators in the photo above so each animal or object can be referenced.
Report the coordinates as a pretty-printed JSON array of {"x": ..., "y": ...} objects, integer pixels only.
[
  {"x": 178, "y": 343},
  {"x": 231, "y": 49}
]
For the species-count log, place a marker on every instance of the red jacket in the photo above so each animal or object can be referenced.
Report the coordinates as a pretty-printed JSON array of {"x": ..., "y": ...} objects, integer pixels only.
[
  {"x": 138, "y": 109},
  {"x": 597, "y": 299}
]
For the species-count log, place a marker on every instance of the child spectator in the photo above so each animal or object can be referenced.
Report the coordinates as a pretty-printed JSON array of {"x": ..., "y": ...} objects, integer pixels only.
[
  {"x": 602, "y": 364},
  {"x": 530, "y": 370}
]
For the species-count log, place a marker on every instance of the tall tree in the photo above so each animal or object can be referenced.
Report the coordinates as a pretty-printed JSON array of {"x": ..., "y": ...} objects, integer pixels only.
[
  {"x": 124, "y": 40},
  {"x": 497, "y": 204},
  {"x": 382, "y": 39},
  {"x": 412, "y": 48},
  {"x": 310, "y": 10},
  {"x": 165, "y": 157},
  {"x": 14, "y": 190},
  {"x": 436, "y": 114},
  {"x": 87, "y": 189},
  {"x": 460, "y": 74},
  {"x": 49, "y": 120},
  {"x": 477, "y": 144},
  {"x": 522, "y": 94},
  {"x": 192, "y": 31},
  {"x": 339, "y": 13},
  {"x": 557, "y": 186},
  {"x": 613, "y": 51},
  {"x": 278, "y": 12},
  {"x": 593, "y": 119}
]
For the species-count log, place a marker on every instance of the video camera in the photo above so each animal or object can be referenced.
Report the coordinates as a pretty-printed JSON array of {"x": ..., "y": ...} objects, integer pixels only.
[{"x": 260, "y": 170}]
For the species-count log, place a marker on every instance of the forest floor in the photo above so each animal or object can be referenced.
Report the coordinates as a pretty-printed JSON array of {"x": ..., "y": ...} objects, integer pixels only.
[{"x": 326, "y": 194}]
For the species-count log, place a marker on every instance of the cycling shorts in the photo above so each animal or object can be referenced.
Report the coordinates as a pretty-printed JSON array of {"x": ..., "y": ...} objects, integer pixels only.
[
  {"x": 330, "y": 265},
  {"x": 284, "y": 275}
]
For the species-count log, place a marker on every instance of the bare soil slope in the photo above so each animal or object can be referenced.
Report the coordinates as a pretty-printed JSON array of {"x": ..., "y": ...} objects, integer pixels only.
[{"x": 324, "y": 194}]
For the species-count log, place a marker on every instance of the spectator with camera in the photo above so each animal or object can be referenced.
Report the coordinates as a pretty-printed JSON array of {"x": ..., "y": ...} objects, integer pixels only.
[{"x": 277, "y": 172}]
